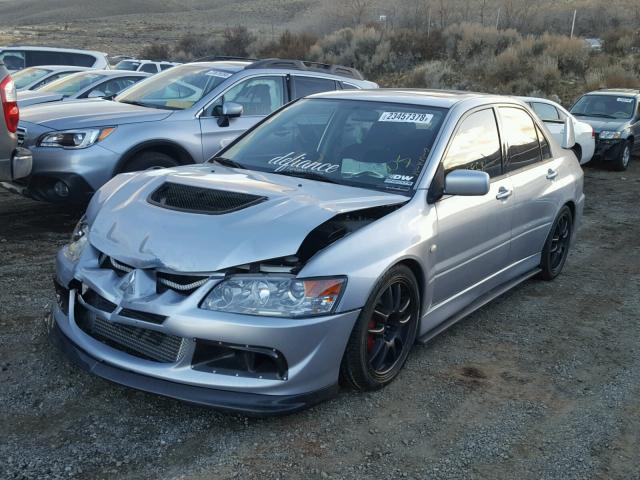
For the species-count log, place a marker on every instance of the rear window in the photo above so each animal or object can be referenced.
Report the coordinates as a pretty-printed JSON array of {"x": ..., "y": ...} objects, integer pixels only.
[
  {"x": 127, "y": 65},
  {"x": 13, "y": 59},
  {"x": 28, "y": 76}
]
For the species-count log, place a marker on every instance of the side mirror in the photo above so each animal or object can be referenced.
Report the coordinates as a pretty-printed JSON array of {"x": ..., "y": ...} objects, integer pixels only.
[
  {"x": 96, "y": 94},
  {"x": 568, "y": 134},
  {"x": 466, "y": 183},
  {"x": 229, "y": 110}
]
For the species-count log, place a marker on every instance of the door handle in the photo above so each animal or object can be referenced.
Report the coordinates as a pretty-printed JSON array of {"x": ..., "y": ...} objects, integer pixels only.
[
  {"x": 503, "y": 193},
  {"x": 551, "y": 174}
]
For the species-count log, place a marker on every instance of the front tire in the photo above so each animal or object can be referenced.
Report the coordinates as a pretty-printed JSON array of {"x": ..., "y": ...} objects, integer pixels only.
[
  {"x": 556, "y": 248},
  {"x": 384, "y": 333},
  {"x": 621, "y": 163},
  {"x": 148, "y": 160}
]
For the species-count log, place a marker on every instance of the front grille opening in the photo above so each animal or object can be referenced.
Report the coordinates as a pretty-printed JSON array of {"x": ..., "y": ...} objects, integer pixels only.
[
  {"x": 239, "y": 360},
  {"x": 185, "y": 284},
  {"x": 138, "y": 342},
  {"x": 92, "y": 298},
  {"x": 188, "y": 198},
  {"x": 144, "y": 316}
]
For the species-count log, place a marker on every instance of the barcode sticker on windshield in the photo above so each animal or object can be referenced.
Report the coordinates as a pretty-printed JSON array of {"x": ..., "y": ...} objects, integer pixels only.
[
  {"x": 624, "y": 100},
  {"x": 218, "y": 73},
  {"x": 408, "y": 117}
]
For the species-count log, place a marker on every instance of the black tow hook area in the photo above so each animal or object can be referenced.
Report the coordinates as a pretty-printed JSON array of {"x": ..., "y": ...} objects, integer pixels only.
[{"x": 239, "y": 360}]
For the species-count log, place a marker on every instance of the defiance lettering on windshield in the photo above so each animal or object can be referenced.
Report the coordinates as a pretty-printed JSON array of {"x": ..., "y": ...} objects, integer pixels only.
[{"x": 300, "y": 162}]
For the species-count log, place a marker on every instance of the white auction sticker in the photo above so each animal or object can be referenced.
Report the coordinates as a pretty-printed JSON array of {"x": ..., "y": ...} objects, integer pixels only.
[
  {"x": 218, "y": 73},
  {"x": 407, "y": 117},
  {"x": 624, "y": 99}
]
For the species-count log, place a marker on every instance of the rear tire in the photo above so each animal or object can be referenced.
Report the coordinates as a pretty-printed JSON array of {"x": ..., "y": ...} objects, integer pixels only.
[
  {"x": 148, "y": 160},
  {"x": 556, "y": 248},
  {"x": 621, "y": 163},
  {"x": 384, "y": 333}
]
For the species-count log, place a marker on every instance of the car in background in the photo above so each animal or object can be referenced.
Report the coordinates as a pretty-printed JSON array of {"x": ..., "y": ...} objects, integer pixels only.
[
  {"x": 180, "y": 116},
  {"x": 614, "y": 114},
  {"x": 19, "y": 57},
  {"x": 32, "y": 78},
  {"x": 89, "y": 84},
  {"x": 15, "y": 162},
  {"x": 315, "y": 249},
  {"x": 148, "y": 66},
  {"x": 554, "y": 116}
]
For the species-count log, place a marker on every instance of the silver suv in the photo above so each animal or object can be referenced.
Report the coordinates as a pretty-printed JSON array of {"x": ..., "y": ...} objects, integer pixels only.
[
  {"x": 14, "y": 162},
  {"x": 180, "y": 116},
  {"x": 320, "y": 245}
]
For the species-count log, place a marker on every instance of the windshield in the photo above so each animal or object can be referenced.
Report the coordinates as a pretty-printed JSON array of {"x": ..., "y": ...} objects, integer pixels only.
[
  {"x": 127, "y": 65},
  {"x": 376, "y": 145},
  {"x": 605, "y": 106},
  {"x": 26, "y": 77},
  {"x": 72, "y": 84},
  {"x": 176, "y": 89}
]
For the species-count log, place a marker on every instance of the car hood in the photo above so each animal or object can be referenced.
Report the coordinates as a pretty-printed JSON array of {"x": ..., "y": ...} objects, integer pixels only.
[
  {"x": 90, "y": 113},
  {"x": 125, "y": 225},
  {"x": 27, "y": 98},
  {"x": 599, "y": 124}
]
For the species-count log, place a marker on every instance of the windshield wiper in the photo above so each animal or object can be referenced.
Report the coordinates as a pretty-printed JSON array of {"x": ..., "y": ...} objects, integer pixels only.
[
  {"x": 226, "y": 162},
  {"x": 307, "y": 175},
  {"x": 149, "y": 105}
]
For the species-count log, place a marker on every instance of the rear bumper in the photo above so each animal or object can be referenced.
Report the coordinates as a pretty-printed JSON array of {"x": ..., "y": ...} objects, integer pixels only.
[
  {"x": 16, "y": 167},
  {"x": 238, "y": 402}
]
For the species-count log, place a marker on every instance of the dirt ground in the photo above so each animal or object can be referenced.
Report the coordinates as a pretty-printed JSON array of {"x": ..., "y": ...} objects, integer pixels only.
[{"x": 542, "y": 383}]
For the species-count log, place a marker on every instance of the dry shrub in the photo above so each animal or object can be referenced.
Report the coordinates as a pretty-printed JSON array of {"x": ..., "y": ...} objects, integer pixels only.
[
  {"x": 236, "y": 41},
  {"x": 287, "y": 45},
  {"x": 572, "y": 53},
  {"x": 433, "y": 74},
  {"x": 618, "y": 77},
  {"x": 156, "y": 51},
  {"x": 467, "y": 40}
]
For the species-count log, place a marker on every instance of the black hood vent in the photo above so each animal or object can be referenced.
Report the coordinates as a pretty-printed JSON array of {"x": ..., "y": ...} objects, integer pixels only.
[{"x": 188, "y": 198}]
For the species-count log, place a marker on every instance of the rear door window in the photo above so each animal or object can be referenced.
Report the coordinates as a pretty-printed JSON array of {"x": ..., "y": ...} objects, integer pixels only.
[
  {"x": 476, "y": 145},
  {"x": 303, "y": 86},
  {"x": 79, "y": 59},
  {"x": 148, "y": 68},
  {"x": 520, "y": 134},
  {"x": 545, "y": 111}
]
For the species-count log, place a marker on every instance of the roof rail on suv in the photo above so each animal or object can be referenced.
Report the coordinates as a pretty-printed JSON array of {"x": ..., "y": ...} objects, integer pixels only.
[
  {"x": 221, "y": 58},
  {"x": 307, "y": 66}
]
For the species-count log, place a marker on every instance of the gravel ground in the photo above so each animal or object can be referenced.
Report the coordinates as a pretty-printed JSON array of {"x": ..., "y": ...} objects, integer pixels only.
[{"x": 542, "y": 383}]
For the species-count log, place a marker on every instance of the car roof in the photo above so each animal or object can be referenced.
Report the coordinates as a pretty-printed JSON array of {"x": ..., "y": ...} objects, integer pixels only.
[
  {"x": 52, "y": 49},
  {"x": 615, "y": 91},
  {"x": 431, "y": 98},
  {"x": 229, "y": 65}
]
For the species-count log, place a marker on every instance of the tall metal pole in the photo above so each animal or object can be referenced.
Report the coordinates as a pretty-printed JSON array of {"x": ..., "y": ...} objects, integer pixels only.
[
  {"x": 498, "y": 19},
  {"x": 429, "y": 21},
  {"x": 573, "y": 23}
]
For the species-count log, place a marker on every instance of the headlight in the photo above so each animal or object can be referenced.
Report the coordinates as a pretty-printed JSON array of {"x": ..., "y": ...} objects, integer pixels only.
[
  {"x": 609, "y": 135},
  {"x": 81, "y": 138},
  {"x": 78, "y": 241},
  {"x": 275, "y": 295}
]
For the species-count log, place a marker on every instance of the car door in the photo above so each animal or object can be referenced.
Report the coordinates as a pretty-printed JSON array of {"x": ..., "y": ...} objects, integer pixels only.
[
  {"x": 473, "y": 231},
  {"x": 533, "y": 173},
  {"x": 259, "y": 96}
]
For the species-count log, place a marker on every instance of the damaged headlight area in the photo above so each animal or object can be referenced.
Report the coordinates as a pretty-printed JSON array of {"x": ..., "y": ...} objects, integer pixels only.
[
  {"x": 275, "y": 295},
  {"x": 78, "y": 241}
]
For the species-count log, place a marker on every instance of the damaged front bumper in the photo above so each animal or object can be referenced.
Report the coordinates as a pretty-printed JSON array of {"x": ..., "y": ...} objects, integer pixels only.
[{"x": 168, "y": 346}]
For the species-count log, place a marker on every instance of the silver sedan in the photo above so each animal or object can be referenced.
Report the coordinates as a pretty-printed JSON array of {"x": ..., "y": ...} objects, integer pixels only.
[{"x": 317, "y": 248}]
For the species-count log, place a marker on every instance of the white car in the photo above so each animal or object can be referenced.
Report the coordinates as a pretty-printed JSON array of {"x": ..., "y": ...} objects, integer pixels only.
[
  {"x": 147, "y": 66},
  {"x": 554, "y": 116},
  {"x": 18, "y": 57}
]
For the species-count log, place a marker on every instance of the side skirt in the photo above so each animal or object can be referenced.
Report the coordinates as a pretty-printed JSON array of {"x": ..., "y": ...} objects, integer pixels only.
[{"x": 476, "y": 304}]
